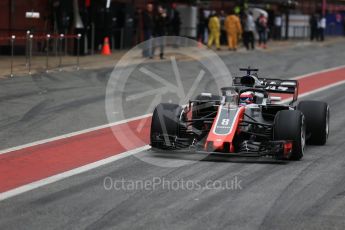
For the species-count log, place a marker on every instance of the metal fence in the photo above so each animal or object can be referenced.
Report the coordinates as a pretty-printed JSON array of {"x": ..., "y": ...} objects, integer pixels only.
[
  {"x": 299, "y": 32},
  {"x": 303, "y": 32},
  {"x": 48, "y": 45}
]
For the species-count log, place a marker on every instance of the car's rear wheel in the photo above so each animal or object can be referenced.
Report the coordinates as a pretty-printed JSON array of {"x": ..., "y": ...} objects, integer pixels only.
[
  {"x": 165, "y": 125},
  {"x": 290, "y": 125},
  {"x": 317, "y": 120}
]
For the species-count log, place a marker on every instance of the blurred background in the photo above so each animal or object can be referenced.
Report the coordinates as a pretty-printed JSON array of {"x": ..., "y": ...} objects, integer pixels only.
[{"x": 122, "y": 22}]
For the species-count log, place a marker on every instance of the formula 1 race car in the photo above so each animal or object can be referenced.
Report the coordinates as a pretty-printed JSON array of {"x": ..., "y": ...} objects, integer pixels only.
[{"x": 245, "y": 120}]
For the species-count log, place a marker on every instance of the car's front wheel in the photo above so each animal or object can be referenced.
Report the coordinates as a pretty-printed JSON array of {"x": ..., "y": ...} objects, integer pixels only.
[
  {"x": 317, "y": 120},
  {"x": 165, "y": 125},
  {"x": 290, "y": 125}
]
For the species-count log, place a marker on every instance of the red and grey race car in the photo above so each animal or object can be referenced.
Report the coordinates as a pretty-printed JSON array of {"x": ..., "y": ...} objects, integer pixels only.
[{"x": 245, "y": 120}]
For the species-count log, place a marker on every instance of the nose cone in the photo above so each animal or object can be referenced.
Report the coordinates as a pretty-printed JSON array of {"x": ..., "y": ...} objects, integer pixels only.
[{"x": 224, "y": 129}]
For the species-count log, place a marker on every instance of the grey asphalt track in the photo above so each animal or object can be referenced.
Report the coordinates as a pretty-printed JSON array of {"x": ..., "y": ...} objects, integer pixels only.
[{"x": 309, "y": 194}]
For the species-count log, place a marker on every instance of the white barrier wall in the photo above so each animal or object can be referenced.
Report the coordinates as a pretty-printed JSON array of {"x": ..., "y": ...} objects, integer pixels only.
[
  {"x": 189, "y": 17},
  {"x": 298, "y": 26}
]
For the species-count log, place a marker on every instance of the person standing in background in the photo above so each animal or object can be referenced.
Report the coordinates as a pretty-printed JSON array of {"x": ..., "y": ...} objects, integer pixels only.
[
  {"x": 214, "y": 27},
  {"x": 222, "y": 28},
  {"x": 277, "y": 27},
  {"x": 201, "y": 26},
  {"x": 343, "y": 26},
  {"x": 148, "y": 26},
  {"x": 234, "y": 30},
  {"x": 249, "y": 29},
  {"x": 321, "y": 28},
  {"x": 261, "y": 25},
  {"x": 174, "y": 21},
  {"x": 175, "y": 26},
  {"x": 137, "y": 25},
  {"x": 313, "y": 27},
  {"x": 160, "y": 25}
]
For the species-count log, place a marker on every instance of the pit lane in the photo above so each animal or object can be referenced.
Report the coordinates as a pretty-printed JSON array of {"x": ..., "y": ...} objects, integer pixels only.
[{"x": 306, "y": 194}]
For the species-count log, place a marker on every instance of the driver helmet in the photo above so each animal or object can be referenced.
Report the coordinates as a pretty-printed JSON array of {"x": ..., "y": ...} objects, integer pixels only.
[{"x": 246, "y": 98}]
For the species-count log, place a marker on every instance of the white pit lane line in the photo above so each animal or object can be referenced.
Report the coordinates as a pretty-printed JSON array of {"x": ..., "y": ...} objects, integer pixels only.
[
  {"x": 64, "y": 136},
  {"x": 94, "y": 165}
]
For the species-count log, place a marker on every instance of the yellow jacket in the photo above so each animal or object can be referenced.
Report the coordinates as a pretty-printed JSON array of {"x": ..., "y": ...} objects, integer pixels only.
[
  {"x": 232, "y": 25},
  {"x": 214, "y": 24}
]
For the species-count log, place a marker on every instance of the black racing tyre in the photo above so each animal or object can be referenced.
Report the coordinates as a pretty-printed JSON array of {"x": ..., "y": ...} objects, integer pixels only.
[
  {"x": 165, "y": 121},
  {"x": 317, "y": 119},
  {"x": 290, "y": 125}
]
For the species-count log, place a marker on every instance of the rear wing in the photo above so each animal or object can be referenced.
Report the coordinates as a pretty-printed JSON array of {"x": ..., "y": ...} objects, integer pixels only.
[
  {"x": 280, "y": 86},
  {"x": 275, "y": 86}
]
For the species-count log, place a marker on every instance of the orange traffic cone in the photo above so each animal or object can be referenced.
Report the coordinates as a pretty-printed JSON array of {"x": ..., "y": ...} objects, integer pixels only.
[{"x": 106, "y": 47}]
